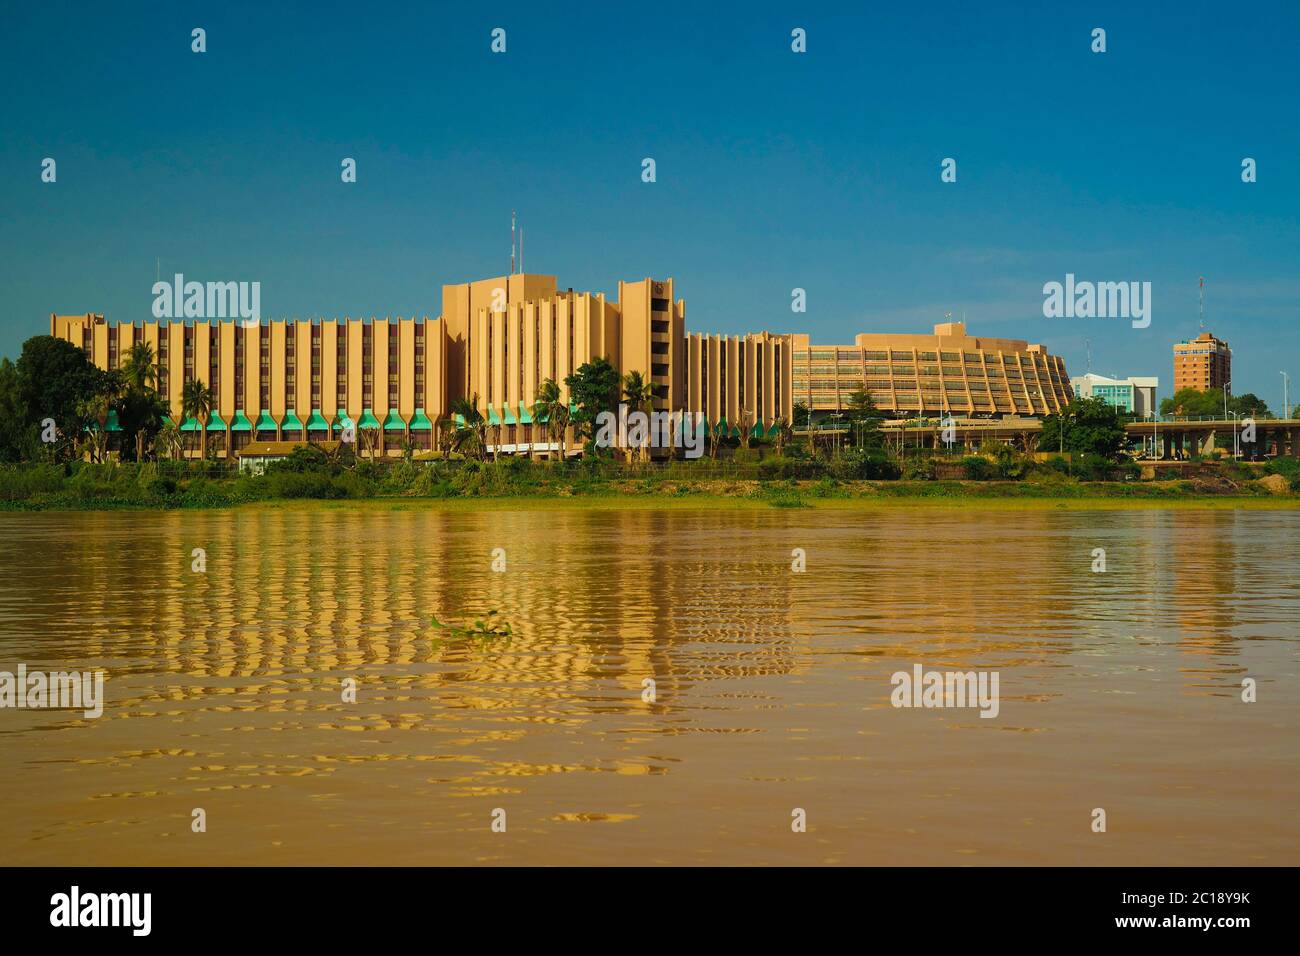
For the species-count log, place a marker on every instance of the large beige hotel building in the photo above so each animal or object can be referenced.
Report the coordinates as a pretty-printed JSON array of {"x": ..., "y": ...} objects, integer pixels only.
[{"x": 501, "y": 338}]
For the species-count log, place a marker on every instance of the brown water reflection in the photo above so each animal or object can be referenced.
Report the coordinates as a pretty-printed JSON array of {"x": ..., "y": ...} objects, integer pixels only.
[{"x": 1119, "y": 690}]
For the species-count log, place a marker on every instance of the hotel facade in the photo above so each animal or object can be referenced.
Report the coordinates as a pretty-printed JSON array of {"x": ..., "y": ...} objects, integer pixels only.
[{"x": 498, "y": 339}]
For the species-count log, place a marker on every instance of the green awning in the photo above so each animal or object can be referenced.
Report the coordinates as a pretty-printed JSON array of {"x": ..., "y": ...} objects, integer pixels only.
[
  {"x": 166, "y": 419},
  {"x": 460, "y": 419},
  {"x": 291, "y": 421},
  {"x": 113, "y": 425},
  {"x": 316, "y": 422},
  {"x": 265, "y": 423},
  {"x": 420, "y": 422},
  {"x": 573, "y": 409},
  {"x": 735, "y": 432},
  {"x": 190, "y": 425},
  {"x": 343, "y": 421},
  {"x": 239, "y": 423},
  {"x": 510, "y": 416},
  {"x": 774, "y": 430},
  {"x": 216, "y": 423},
  {"x": 524, "y": 417},
  {"x": 393, "y": 422},
  {"x": 368, "y": 420},
  {"x": 493, "y": 417},
  {"x": 757, "y": 430}
]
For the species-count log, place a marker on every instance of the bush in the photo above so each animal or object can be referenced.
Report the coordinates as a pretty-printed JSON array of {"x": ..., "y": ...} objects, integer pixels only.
[
  {"x": 860, "y": 464},
  {"x": 977, "y": 468},
  {"x": 1288, "y": 468},
  {"x": 19, "y": 483},
  {"x": 302, "y": 484}
]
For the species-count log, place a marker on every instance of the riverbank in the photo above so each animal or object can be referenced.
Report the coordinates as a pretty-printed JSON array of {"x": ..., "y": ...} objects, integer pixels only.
[{"x": 492, "y": 487}]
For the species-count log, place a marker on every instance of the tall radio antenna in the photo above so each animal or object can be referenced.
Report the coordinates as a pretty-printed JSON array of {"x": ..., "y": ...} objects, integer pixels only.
[{"x": 512, "y": 242}]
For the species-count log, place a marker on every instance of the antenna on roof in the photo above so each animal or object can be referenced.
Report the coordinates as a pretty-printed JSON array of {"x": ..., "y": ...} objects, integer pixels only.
[
  {"x": 1202, "y": 303},
  {"x": 512, "y": 242}
]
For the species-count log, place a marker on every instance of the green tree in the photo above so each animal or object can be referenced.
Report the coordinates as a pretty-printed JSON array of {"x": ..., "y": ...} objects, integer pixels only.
[
  {"x": 1250, "y": 405},
  {"x": 640, "y": 394},
  {"x": 802, "y": 416},
  {"x": 594, "y": 389},
  {"x": 1194, "y": 403},
  {"x": 18, "y": 436},
  {"x": 1085, "y": 426},
  {"x": 140, "y": 409},
  {"x": 864, "y": 420},
  {"x": 550, "y": 408},
  {"x": 197, "y": 401},
  {"x": 56, "y": 380},
  {"x": 138, "y": 370},
  {"x": 471, "y": 432}
]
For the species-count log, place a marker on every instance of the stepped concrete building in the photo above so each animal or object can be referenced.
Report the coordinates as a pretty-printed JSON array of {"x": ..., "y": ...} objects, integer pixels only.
[{"x": 948, "y": 372}]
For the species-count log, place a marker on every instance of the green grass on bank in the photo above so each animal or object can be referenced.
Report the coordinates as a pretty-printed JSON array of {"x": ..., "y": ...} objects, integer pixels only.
[
  {"x": 778, "y": 483},
  {"x": 769, "y": 483}
]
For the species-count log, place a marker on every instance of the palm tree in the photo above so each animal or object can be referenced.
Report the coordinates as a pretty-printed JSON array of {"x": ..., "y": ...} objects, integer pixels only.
[
  {"x": 196, "y": 402},
  {"x": 714, "y": 439},
  {"x": 783, "y": 434},
  {"x": 446, "y": 436},
  {"x": 640, "y": 395},
  {"x": 555, "y": 411},
  {"x": 139, "y": 370},
  {"x": 140, "y": 375},
  {"x": 95, "y": 408},
  {"x": 168, "y": 440},
  {"x": 470, "y": 435}
]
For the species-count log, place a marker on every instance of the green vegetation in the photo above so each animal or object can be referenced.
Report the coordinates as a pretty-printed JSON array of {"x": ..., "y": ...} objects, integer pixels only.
[
  {"x": 1087, "y": 426},
  {"x": 593, "y": 388},
  {"x": 489, "y": 626},
  {"x": 790, "y": 481},
  {"x": 1194, "y": 403}
]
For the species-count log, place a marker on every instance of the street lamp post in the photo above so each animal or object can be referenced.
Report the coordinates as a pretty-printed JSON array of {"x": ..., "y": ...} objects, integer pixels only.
[{"x": 1286, "y": 406}]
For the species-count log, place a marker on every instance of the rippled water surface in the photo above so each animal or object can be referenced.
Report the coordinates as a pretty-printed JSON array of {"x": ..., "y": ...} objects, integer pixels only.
[{"x": 1119, "y": 690}]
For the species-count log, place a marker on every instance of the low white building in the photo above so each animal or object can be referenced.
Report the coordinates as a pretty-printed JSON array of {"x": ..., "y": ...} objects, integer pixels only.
[{"x": 1135, "y": 394}]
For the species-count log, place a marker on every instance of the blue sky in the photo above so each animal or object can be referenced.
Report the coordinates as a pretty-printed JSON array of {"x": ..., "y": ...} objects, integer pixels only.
[{"x": 775, "y": 170}]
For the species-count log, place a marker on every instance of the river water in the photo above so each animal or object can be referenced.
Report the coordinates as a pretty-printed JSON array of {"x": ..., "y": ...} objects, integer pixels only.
[{"x": 672, "y": 689}]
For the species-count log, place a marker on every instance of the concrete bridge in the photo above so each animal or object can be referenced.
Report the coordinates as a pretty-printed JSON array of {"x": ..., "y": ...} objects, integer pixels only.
[{"x": 1164, "y": 439}]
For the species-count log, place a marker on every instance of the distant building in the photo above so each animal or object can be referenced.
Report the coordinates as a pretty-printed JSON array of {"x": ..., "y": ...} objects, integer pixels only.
[
  {"x": 1202, "y": 363},
  {"x": 946, "y": 373},
  {"x": 1135, "y": 395}
]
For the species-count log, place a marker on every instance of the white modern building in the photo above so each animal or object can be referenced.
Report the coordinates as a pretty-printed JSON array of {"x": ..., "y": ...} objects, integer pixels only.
[{"x": 1135, "y": 394}]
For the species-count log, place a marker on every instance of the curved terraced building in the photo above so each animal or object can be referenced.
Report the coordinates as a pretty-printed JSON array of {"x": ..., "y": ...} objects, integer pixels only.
[{"x": 918, "y": 376}]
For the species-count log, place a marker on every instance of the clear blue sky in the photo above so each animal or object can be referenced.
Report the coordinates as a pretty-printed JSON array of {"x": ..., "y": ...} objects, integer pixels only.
[{"x": 775, "y": 170}]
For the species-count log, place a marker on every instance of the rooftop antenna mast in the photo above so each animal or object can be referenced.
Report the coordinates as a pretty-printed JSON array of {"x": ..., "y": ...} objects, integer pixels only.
[
  {"x": 1087, "y": 344},
  {"x": 1202, "y": 303},
  {"x": 512, "y": 242}
]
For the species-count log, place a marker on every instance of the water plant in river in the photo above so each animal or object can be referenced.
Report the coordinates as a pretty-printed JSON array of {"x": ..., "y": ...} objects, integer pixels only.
[{"x": 490, "y": 625}]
